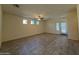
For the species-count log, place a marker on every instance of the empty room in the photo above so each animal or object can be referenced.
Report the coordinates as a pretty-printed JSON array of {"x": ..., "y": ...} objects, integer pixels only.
[{"x": 39, "y": 29}]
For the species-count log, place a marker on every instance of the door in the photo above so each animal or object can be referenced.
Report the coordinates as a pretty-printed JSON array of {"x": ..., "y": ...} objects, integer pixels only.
[{"x": 61, "y": 27}]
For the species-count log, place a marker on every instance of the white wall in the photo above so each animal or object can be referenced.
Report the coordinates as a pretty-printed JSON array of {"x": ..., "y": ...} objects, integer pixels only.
[
  {"x": 0, "y": 25},
  {"x": 13, "y": 27},
  {"x": 51, "y": 25}
]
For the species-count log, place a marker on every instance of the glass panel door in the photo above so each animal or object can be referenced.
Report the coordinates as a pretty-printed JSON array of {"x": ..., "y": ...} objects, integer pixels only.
[{"x": 63, "y": 27}]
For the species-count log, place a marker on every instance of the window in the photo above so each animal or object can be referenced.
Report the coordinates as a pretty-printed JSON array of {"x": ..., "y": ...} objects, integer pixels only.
[
  {"x": 57, "y": 27},
  {"x": 61, "y": 27},
  {"x": 37, "y": 22},
  {"x": 24, "y": 21},
  {"x": 33, "y": 21}
]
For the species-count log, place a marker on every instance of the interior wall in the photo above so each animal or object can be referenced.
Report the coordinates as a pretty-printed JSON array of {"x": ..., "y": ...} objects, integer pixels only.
[
  {"x": 78, "y": 16},
  {"x": 51, "y": 25},
  {"x": 72, "y": 24},
  {"x": 13, "y": 27},
  {"x": 0, "y": 25}
]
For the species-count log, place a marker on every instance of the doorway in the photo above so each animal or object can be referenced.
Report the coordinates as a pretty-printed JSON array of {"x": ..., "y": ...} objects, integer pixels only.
[{"x": 61, "y": 27}]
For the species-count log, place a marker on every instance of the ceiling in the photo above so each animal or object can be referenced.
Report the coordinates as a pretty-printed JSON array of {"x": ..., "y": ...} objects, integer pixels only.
[{"x": 46, "y": 10}]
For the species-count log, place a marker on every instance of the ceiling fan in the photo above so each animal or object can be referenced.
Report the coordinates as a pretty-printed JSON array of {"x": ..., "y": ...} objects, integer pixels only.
[{"x": 40, "y": 17}]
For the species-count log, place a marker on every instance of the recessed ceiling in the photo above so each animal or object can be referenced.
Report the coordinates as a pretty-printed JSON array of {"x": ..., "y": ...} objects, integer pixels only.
[{"x": 47, "y": 10}]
